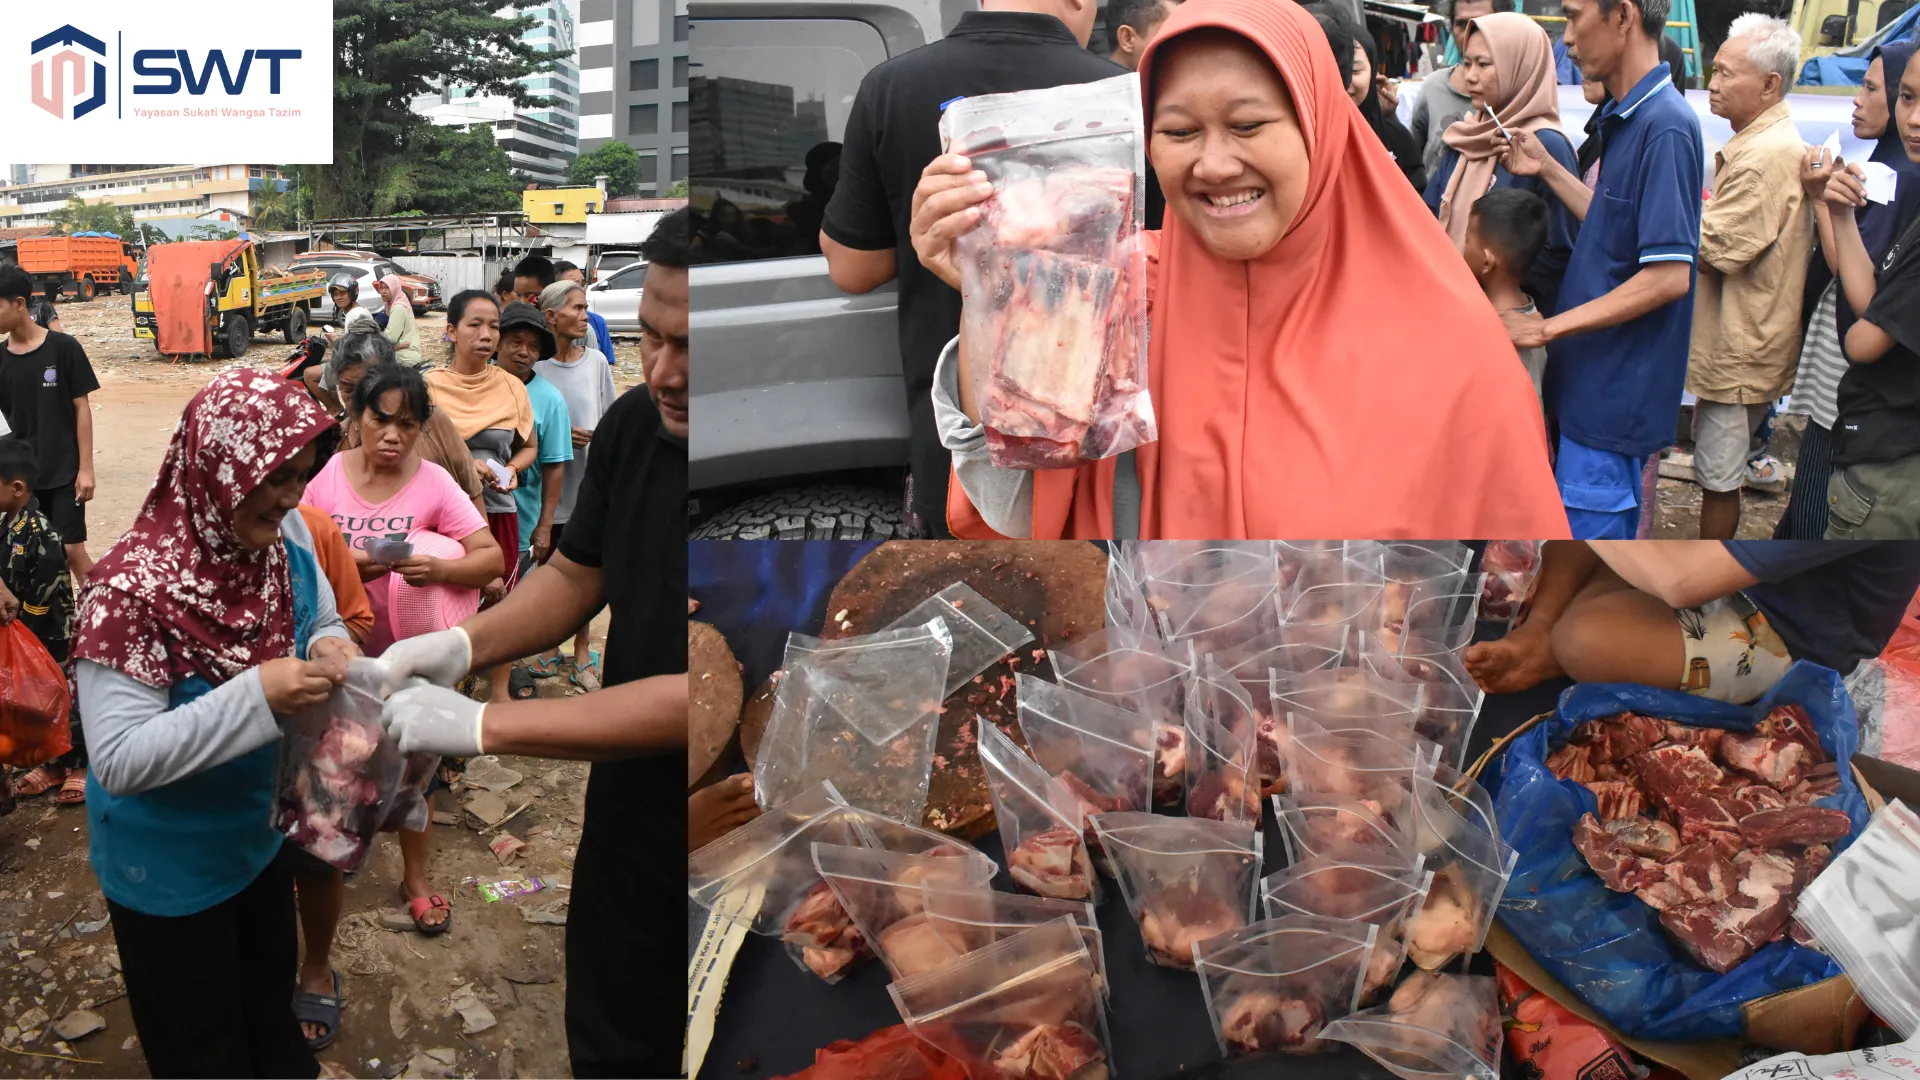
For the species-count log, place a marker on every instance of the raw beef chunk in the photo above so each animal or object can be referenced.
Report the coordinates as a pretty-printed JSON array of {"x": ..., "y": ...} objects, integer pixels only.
[
  {"x": 1778, "y": 763},
  {"x": 1797, "y": 826},
  {"x": 1619, "y": 868}
]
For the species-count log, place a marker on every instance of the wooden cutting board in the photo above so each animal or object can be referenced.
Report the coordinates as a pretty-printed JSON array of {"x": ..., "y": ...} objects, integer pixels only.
[
  {"x": 1056, "y": 589},
  {"x": 714, "y": 693}
]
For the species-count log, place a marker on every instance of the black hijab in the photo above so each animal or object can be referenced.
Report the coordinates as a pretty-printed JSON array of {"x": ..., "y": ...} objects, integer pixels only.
[{"x": 1391, "y": 132}]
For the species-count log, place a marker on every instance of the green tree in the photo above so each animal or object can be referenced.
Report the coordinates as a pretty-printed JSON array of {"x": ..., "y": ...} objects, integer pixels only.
[
  {"x": 389, "y": 52},
  {"x": 448, "y": 171},
  {"x": 211, "y": 232},
  {"x": 680, "y": 190},
  {"x": 273, "y": 206},
  {"x": 79, "y": 215},
  {"x": 615, "y": 160}
]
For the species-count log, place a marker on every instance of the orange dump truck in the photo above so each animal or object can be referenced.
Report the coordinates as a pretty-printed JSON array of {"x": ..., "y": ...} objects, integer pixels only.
[{"x": 77, "y": 267}]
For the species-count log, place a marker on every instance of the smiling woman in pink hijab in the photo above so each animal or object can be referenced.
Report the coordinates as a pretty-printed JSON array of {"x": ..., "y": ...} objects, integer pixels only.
[
  {"x": 400, "y": 328},
  {"x": 1508, "y": 71}
]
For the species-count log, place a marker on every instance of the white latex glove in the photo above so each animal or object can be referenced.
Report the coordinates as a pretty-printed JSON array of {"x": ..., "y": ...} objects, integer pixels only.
[
  {"x": 442, "y": 657},
  {"x": 434, "y": 720}
]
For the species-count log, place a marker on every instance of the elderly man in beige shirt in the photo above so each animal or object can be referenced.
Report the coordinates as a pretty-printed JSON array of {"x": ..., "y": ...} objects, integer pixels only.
[{"x": 1756, "y": 233}]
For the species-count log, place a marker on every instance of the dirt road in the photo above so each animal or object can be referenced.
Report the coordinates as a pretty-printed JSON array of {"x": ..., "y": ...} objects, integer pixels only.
[{"x": 410, "y": 999}]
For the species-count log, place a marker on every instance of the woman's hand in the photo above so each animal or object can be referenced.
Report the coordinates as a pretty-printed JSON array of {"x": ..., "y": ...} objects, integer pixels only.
[
  {"x": 334, "y": 652},
  {"x": 1389, "y": 92},
  {"x": 1847, "y": 187},
  {"x": 1814, "y": 171},
  {"x": 946, "y": 205},
  {"x": 1524, "y": 155},
  {"x": 419, "y": 570},
  {"x": 492, "y": 480},
  {"x": 293, "y": 685},
  {"x": 364, "y": 563},
  {"x": 494, "y": 591},
  {"x": 582, "y": 437}
]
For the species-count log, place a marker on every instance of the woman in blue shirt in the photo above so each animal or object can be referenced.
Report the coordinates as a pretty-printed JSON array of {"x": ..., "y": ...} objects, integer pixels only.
[
  {"x": 1509, "y": 73},
  {"x": 205, "y": 623}
]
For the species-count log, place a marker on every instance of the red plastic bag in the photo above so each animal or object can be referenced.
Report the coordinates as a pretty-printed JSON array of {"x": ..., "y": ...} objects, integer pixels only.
[
  {"x": 1550, "y": 1042},
  {"x": 34, "y": 700},
  {"x": 893, "y": 1053}
]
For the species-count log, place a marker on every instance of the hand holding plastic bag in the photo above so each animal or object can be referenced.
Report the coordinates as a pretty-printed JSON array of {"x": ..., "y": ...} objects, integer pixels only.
[{"x": 339, "y": 773}]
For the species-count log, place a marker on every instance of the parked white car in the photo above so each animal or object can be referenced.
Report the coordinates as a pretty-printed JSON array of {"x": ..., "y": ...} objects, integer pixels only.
[
  {"x": 368, "y": 297},
  {"x": 616, "y": 297}
]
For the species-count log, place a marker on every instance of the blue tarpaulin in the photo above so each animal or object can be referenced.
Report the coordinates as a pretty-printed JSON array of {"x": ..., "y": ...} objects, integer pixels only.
[
  {"x": 1850, "y": 68},
  {"x": 1609, "y": 947}
]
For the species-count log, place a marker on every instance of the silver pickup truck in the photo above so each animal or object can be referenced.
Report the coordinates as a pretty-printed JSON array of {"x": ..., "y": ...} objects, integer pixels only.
[{"x": 802, "y": 412}]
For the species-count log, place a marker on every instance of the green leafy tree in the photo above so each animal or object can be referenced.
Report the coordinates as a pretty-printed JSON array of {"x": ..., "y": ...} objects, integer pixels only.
[
  {"x": 273, "y": 206},
  {"x": 616, "y": 161},
  {"x": 680, "y": 190},
  {"x": 79, "y": 215},
  {"x": 389, "y": 52},
  {"x": 152, "y": 234},
  {"x": 211, "y": 232}
]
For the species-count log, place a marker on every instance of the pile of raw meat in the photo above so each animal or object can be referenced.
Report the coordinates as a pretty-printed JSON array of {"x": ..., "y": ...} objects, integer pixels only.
[
  {"x": 1716, "y": 830},
  {"x": 824, "y": 933}
]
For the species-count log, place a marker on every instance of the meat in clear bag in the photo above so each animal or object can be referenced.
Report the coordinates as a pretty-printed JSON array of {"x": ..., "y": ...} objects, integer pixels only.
[
  {"x": 1470, "y": 870},
  {"x": 1055, "y": 275},
  {"x": 1374, "y": 767},
  {"x": 1102, "y": 754},
  {"x": 1184, "y": 879},
  {"x": 1336, "y": 825},
  {"x": 1428, "y": 590},
  {"x": 1381, "y": 892},
  {"x": 1273, "y": 985},
  {"x": 1450, "y": 700},
  {"x": 881, "y": 892},
  {"x": 982, "y": 635},
  {"x": 1215, "y": 596},
  {"x": 339, "y": 773},
  {"x": 1135, "y": 672},
  {"x": 1434, "y": 1027},
  {"x": 1512, "y": 568},
  {"x": 1223, "y": 753},
  {"x": 1126, "y": 601},
  {"x": 881, "y": 683},
  {"x": 1041, "y": 828},
  {"x": 762, "y": 876},
  {"x": 1027, "y": 1007},
  {"x": 1343, "y": 586},
  {"x": 1344, "y": 697},
  {"x": 808, "y": 741},
  {"x": 971, "y": 919}
]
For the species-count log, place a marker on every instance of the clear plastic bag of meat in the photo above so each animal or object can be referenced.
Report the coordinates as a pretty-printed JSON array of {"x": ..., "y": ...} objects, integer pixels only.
[
  {"x": 1512, "y": 568},
  {"x": 1337, "y": 826},
  {"x": 1135, "y": 672},
  {"x": 1257, "y": 665},
  {"x": 1295, "y": 556},
  {"x": 762, "y": 876},
  {"x": 982, "y": 635},
  {"x": 1054, "y": 278},
  {"x": 339, "y": 773},
  {"x": 876, "y": 831},
  {"x": 1224, "y": 778},
  {"x": 1343, "y": 588},
  {"x": 1470, "y": 872},
  {"x": 1382, "y": 893},
  {"x": 881, "y": 892},
  {"x": 1215, "y": 596},
  {"x": 1184, "y": 879},
  {"x": 882, "y": 683},
  {"x": 1271, "y": 986},
  {"x": 1374, "y": 766},
  {"x": 1344, "y": 698},
  {"x": 409, "y": 811},
  {"x": 1027, "y": 1007},
  {"x": 1450, "y": 700},
  {"x": 1440, "y": 617},
  {"x": 1434, "y": 1027},
  {"x": 807, "y": 741},
  {"x": 1862, "y": 910},
  {"x": 971, "y": 919},
  {"x": 1126, "y": 601},
  {"x": 1102, "y": 754},
  {"x": 1041, "y": 827}
]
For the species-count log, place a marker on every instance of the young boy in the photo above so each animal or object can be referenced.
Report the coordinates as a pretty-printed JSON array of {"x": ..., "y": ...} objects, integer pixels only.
[
  {"x": 44, "y": 382},
  {"x": 36, "y": 588},
  {"x": 530, "y": 275},
  {"x": 525, "y": 340},
  {"x": 1505, "y": 234}
]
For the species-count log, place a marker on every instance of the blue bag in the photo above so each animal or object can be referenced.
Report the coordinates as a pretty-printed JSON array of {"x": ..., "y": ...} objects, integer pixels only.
[{"x": 1609, "y": 947}]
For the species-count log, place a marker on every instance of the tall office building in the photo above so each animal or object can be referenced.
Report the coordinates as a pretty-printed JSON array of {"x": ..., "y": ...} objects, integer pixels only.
[
  {"x": 540, "y": 140},
  {"x": 633, "y": 84}
]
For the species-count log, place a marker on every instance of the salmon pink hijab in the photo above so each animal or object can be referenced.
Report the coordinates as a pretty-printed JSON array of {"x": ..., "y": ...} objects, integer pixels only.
[{"x": 1350, "y": 383}]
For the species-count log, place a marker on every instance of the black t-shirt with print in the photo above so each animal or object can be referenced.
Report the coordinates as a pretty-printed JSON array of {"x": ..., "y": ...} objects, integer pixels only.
[
  {"x": 1879, "y": 403},
  {"x": 36, "y": 396},
  {"x": 1834, "y": 602}
]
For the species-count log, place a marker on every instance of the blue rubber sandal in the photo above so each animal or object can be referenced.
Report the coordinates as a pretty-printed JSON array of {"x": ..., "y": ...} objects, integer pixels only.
[
  {"x": 590, "y": 672},
  {"x": 313, "y": 1008}
]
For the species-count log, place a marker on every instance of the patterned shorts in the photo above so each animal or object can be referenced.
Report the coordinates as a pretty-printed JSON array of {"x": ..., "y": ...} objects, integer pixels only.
[{"x": 1733, "y": 654}]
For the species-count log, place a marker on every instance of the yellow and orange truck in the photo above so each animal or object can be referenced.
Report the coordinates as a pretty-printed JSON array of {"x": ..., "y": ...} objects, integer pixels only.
[{"x": 79, "y": 266}]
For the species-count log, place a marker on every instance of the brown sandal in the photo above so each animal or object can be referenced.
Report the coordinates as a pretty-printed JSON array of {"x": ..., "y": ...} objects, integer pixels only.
[
  {"x": 38, "y": 782},
  {"x": 73, "y": 790}
]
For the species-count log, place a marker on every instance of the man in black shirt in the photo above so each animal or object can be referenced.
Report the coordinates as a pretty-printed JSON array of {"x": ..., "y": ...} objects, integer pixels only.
[
  {"x": 626, "y": 546},
  {"x": 44, "y": 382},
  {"x": 891, "y": 135},
  {"x": 1874, "y": 492},
  {"x": 1723, "y": 619}
]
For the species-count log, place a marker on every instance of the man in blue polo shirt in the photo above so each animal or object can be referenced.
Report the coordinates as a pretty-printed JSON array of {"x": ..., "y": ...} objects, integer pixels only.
[{"x": 1617, "y": 352}]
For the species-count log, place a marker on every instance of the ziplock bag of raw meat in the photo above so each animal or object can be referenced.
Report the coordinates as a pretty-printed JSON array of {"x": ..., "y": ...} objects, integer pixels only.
[
  {"x": 1343, "y": 588},
  {"x": 982, "y": 635},
  {"x": 762, "y": 876},
  {"x": 1371, "y": 766},
  {"x": 1862, "y": 910},
  {"x": 339, "y": 772},
  {"x": 1339, "y": 826},
  {"x": 1126, "y": 601},
  {"x": 1512, "y": 568},
  {"x": 35, "y": 700},
  {"x": 1419, "y": 579},
  {"x": 1434, "y": 1027},
  {"x": 1348, "y": 697},
  {"x": 1135, "y": 672},
  {"x": 808, "y": 741},
  {"x": 880, "y": 891},
  {"x": 1102, "y": 754},
  {"x": 1223, "y": 750},
  {"x": 1040, "y": 822},
  {"x": 1184, "y": 879},
  {"x": 1274, "y": 984},
  {"x": 1450, "y": 700},
  {"x": 1255, "y": 665},
  {"x": 1055, "y": 275},
  {"x": 410, "y": 811},
  {"x": 1439, "y": 618},
  {"x": 1470, "y": 871},
  {"x": 1380, "y": 892},
  {"x": 881, "y": 683},
  {"x": 1026, "y": 1007},
  {"x": 971, "y": 919},
  {"x": 1214, "y": 597},
  {"x": 1295, "y": 555},
  {"x": 885, "y": 833}
]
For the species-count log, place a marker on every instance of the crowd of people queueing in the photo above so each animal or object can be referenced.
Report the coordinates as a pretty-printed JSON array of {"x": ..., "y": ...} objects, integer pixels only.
[{"x": 246, "y": 583}]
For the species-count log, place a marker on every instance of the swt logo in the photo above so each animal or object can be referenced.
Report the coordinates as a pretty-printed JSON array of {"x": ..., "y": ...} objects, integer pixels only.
[{"x": 66, "y": 72}]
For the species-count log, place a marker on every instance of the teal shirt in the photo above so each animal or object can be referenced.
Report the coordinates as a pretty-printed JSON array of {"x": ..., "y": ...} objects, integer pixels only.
[
  {"x": 553, "y": 434},
  {"x": 182, "y": 848}
]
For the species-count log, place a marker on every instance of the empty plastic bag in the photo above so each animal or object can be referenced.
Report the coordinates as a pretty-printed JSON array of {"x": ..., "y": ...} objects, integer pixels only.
[
  {"x": 1026, "y": 1007},
  {"x": 1862, "y": 910},
  {"x": 1381, "y": 893},
  {"x": 881, "y": 683},
  {"x": 35, "y": 700},
  {"x": 1470, "y": 871},
  {"x": 1274, "y": 984},
  {"x": 1102, "y": 754},
  {"x": 1054, "y": 276},
  {"x": 339, "y": 773},
  {"x": 982, "y": 635},
  {"x": 1184, "y": 879},
  {"x": 1135, "y": 672},
  {"x": 881, "y": 892},
  {"x": 807, "y": 741},
  {"x": 1040, "y": 822},
  {"x": 1434, "y": 1027},
  {"x": 972, "y": 919},
  {"x": 1223, "y": 770}
]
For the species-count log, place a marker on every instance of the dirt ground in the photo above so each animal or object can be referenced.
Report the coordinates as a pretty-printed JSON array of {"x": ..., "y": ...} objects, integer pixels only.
[{"x": 410, "y": 1001}]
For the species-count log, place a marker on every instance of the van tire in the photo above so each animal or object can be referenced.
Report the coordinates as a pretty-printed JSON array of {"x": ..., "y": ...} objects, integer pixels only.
[
  {"x": 812, "y": 513},
  {"x": 295, "y": 329}
]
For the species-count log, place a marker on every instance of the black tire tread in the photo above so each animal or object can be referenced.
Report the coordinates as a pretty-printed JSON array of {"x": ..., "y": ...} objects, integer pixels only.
[{"x": 821, "y": 512}]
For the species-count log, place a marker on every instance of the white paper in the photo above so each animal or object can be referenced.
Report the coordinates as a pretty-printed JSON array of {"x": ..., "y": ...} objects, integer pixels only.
[
  {"x": 501, "y": 473},
  {"x": 1830, "y": 150},
  {"x": 1880, "y": 181},
  {"x": 1871, "y": 1063}
]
